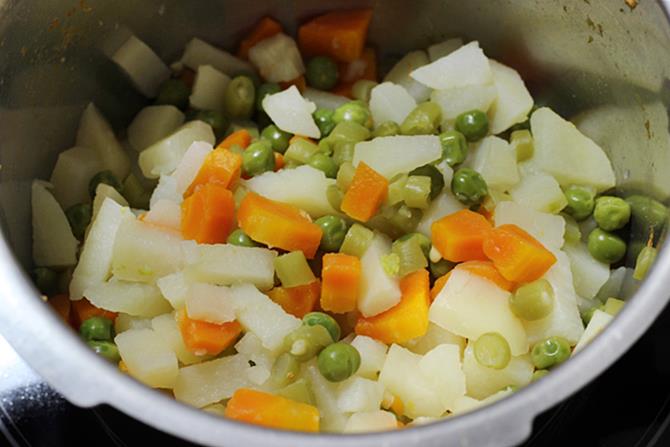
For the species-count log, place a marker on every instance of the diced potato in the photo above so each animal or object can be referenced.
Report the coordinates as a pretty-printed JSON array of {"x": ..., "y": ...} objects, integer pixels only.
[
  {"x": 371, "y": 421},
  {"x": 73, "y": 171},
  {"x": 277, "y": 58},
  {"x": 252, "y": 346},
  {"x": 175, "y": 288},
  {"x": 465, "y": 66},
  {"x": 304, "y": 187},
  {"x": 325, "y": 395},
  {"x": 470, "y": 306},
  {"x": 324, "y": 100},
  {"x": 454, "y": 101},
  {"x": 165, "y": 326},
  {"x": 358, "y": 394},
  {"x": 144, "y": 68},
  {"x": 216, "y": 409},
  {"x": 163, "y": 156},
  {"x": 165, "y": 190},
  {"x": 513, "y": 103},
  {"x": 103, "y": 192},
  {"x": 483, "y": 382},
  {"x": 443, "y": 205},
  {"x": 198, "y": 52},
  {"x": 210, "y": 303},
  {"x": 441, "y": 366},
  {"x": 54, "y": 245},
  {"x": 398, "y": 154},
  {"x": 95, "y": 132},
  {"x": 546, "y": 228},
  {"x": 209, "y": 382},
  {"x": 95, "y": 260},
  {"x": 263, "y": 317},
  {"x": 299, "y": 391},
  {"x": 292, "y": 113},
  {"x": 564, "y": 152},
  {"x": 165, "y": 213},
  {"x": 400, "y": 74},
  {"x": 373, "y": 354},
  {"x": 588, "y": 274},
  {"x": 132, "y": 298},
  {"x": 467, "y": 403},
  {"x": 209, "y": 89},
  {"x": 439, "y": 50},
  {"x": 378, "y": 291},
  {"x": 540, "y": 192},
  {"x": 495, "y": 160},
  {"x": 390, "y": 102},
  {"x": 124, "y": 322},
  {"x": 226, "y": 264},
  {"x": 434, "y": 336},
  {"x": 152, "y": 124},
  {"x": 190, "y": 164},
  {"x": 596, "y": 325},
  {"x": 148, "y": 357}
]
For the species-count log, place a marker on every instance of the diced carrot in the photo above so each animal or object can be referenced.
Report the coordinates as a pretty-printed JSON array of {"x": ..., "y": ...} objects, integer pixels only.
[
  {"x": 484, "y": 269},
  {"x": 366, "y": 193},
  {"x": 207, "y": 338},
  {"x": 397, "y": 406},
  {"x": 459, "y": 236},
  {"x": 338, "y": 34},
  {"x": 269, "y": 410},
  {"x": 298, "y": 300},
  {"x": 300, "y": 83},
  {"x": 187, "y": 76},
  {"x": 341, "y": 276},
  {"x": 264, "y": 29},
  {"x": 279, "y": 161},
  {"x": 83, "y": 310},
  {"x": 241, "y": 138},
  {"x": 406, "y": 320},
  {"x": 221, "y": 166},
  {"x": 517, "y": 255},
  {"x": 62, "y": 305},
  {"x": 439, "y": 285},
  {"x": 208, "y": 215},
  {"x": 279, "y": 225}
]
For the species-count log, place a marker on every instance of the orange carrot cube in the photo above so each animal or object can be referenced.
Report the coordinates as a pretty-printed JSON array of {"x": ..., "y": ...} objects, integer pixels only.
[
  {"x": 459, "y": 236},
  {"x": 366, "y": 193},
  {"x": 298, "y": 300},
  {"x": 341, "y": 276},
  {"x": 208, "y": 214},
  {"x": 207, "y": 338}
]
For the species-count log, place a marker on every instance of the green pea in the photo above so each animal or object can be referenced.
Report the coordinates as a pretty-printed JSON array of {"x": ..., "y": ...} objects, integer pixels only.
[
  {"x": 277, "y": 137},
  {"x": 322, "y": 73},
  {"x": 324, "y": 163},
  {"x": 307, "y": 341},
  {"x": 550, "y": 352},
  {"x": 135, "y": 194},
  {"x": 538, "y": 374},
  {"x": 421, "y": 239},
  {"x": 241, "y": 239},
  {"x": 469, "y": 186},
  {"x": 106, "y": 177},
  {"x": 645, "y": 259},
  {"x": 492, "y": 351},
  {"x": 79, "y": 217},
  {"x": 324, "y": 121},
  {"x": 436, "y": 178},
  {"x": 441, "y": 268},
  {"x": 474, "y": 125},
  {"x": 362, "y": 89},
  {"x": 343, "y": 153},
  {"x": 105, "y": 349},
  {"x": 338, "y": 362},
  {"x": 334, "y": 230},
  {"x": 97, "y": 328},
  {"x": 649, "y": 215},
  {"x": 284, "y": 370},
  {"x": 606, "y": 247},
  {"x": 325, "y": 320},
  {"x": 258, "y": 158},
  {"x": 454, "y": 147},
  {"x": 581, "y": 201},
  {"x": 386, "y": 129},
  {"x": 269, "y": 88},
  {"x": 611, "y": 213},
  {"x": 533, "y": 301},
  {"x": 217, "y": 120},
  {"x": 354, "y": 111},
  {"x": 46, "y": 280},
  {"x": 423, "y": 120},
  {"x": 239, "y": 98},
  {"x": 174, "y": 92}
]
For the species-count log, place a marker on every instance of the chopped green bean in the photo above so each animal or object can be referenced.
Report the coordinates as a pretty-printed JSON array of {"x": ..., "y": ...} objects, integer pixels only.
[
  {"x": 307, "y": 341},
  {"x": 343, "y": 152},
  {"x": 325, "y": 320},
  {"x": 357, "y": 240},
  {"x": 334, "y": 196},
  {"x": 298, "y": 391},
  {"x": 301, "y": 151},
  {"x": 613, "y": 305},
  {"x": 345, "y": 176},
  {"x": 436, "y": 178},
  {"x": 411, "y": 255},
  {"x": 293, "y": 270},
  {"x": 454, "y": 147},
  {"x": 239, "y": 98},
  {"x": 492, "y": 351},
  {"x": 644, "y": 262},
  {"x": 396, "y": 190},
  {"x": 284, "y": 370},
  {"x": 421, "y": 239},
  {"x": 386, "y": 129},
  {"x": 423, "y": 120},
  {"x": 362, "y": 88},
  {"x": 521, "y": 142},
  {"x": 348, "y": 132},
  {"x": 417, "y": 191}
]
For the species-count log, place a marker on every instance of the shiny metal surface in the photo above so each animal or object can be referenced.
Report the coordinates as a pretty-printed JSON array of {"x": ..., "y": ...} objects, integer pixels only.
[{"x": 598, "y": 61}]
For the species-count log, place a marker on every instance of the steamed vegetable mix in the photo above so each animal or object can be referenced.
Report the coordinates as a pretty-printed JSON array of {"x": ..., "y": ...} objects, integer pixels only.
[{"x": 316, "y": 247}]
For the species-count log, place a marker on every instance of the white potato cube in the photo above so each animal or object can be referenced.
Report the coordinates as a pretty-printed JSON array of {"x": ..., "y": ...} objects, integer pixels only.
[
  {"x": 165, "y": 326},
  {"x": 454, "y": 101},
  {"x": 325, "y": 395},
  {"x": 198, "y": 52},
  {"x": 441, "y": 367},
  {"x": 209, "y": 88},
  {"x": 277, "y": 58},
  {"x": 252, "y": 347},
  {"x": 443, "y": 205},
  {"x": 152, "y": 124},
  {"x": 54, "y": 245},
  {"x": 73, "y": 171},
  {"x": 190, "y": 164},
  {"x": 434, "y": 337},
  {"x": 358, "y": 394},
  {"x": 144, "y": 68},
  {"x": 513, "y": 103},
  {"x": 102, "y": 193},
  {"x": 495, "y": 160},
  {"x": 373, "y": 354},
  {"x": 400, "y": 74},
  {"x": 540, "y": 192},
  {"x": 588, "y": 274},
  {"x": 174, "y": 288},
  {"x": 390, "y": 102},
  {"x": 483, "y": 382},
  {"x": 166, "y": 190},
  {"x": 597, "y": 324},
  {"x": 378, "y": 291},
  {"x": 371, "y": 421},
  {"x": 548, "y": 229},
  {"x": 124, "y": 322},
  {"x": 292, "y": 113},
  {"x": 398, "y": 154},
  {"x": 210, "y": 303},
  {"x": 465, "y": 66},
  {"x": 148, "y": 357},
  {"x": 132, "y": 298},
  {"x": 166, "y": 214},
  {"x": 439, "y": 50},
  {"x": 324, "y": 100}
]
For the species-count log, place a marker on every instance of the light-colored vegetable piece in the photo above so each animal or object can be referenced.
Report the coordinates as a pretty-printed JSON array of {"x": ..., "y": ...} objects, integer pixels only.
[
  {"x": 513, "y": 103},
  {"x": 540, "y": 192},
  {"x": 370, "y": 421},
  {"x": 148, "y": 357},
  {"x": 389, "y": 155},
  {"x": 596, "y": 325},
  {"x": 378, "y": 291},
  {"x": 190, "y": 164},
  {"x": 441, "y": 49},
  {"x": 614, "y": 284},
  {"x": 390, "y": 102},
  {"x": 495, "y": 160},
  {"x": 144, "y": 68},
  {"x": 467, "y": 403},
  {"x": 304, "y": 187},
  {"x": 292, "y": 113},
  {"x": 165, "y": 326},
  {"x": 212, "y": 381},
  {"x": 325, "y": 394},
  {"x": 400, "y": 74},
  {"x": 454, "y": 101},
  {"x": 443, "y": 205},
  {"x": 469, "y": 306},
  {"x": 324, "y": 100},
  {"x": 165, "y": 213},
  {"x": 262, "y": 316},
  {"x": 95, "y": 132},
  {"x": 359, "y": 394},
  {"x": 210, "y": 303},
  {"x": 102, "y": 193},
  {"x": 136, "y": 299},
  {"x": 54, "y": 245},
  {"x": 166, "y": 190},
  {"x": 95, "y": 260},
  {"x": 73, "y": 171},
  {"x": 443, "y": 369},
  {"x": 174, "y": 288},
  {"x": 564, "y": 152},
  {"x": 277, "y": 58},
  {"x": 124, "y": 322},
  {"x": 483, "y": 382},
  {"x": 373, "y": 354},
  {"x": 164, "y": 156},
  {"x": 198, "y": 52},
  {"x": 588, "y": 274},
  {"x": 466, "y": 66},
  {"x": 152, "y": 124},
  {"x": 434, "y": 337},
  {"x": 546, "y": 228},
  {"x": 209, "y": 88},
  {"x": 226, "y": 264},
  {"x": 252, "y": 346}
]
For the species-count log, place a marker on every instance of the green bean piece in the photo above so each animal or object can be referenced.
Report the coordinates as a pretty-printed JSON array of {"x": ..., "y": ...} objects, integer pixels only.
[
  {"x": 421, "y": 239},
  {"x": 649, "y": 215},
  {"x": 606, "y": 247},
  {"x": 411, "y": 255},
  {"x": 293, "y": 270},
  {"x": 135, "y": 194},
  {"x": 644, "y": 262},
  {"x": 474, "y": 125},
  {"x": 469, "y": 186},
  {"x": 550, "y": 352},
  {"x": 105, "y": 349},
  {"x": 298, "y": 391},
  {"x": 334, "y": 196},
  {"x": 362, "y": 88},
  {"x": 325, "y": 320},
  {"x": 300, "y": 151},
  {"x": 46, "y": 280},
  {"x": 324, "y": 121},
  {"x": 284, "y": 370},
  {"x": 307, "y": 341},
  {"x": 492, "y": 351},
  {"x": 611, "y": 213},
  {"x": 573, "y": 234},
  {"x": 277, "y": 137},
  {"x": 402, "y": 218},
  {"x": 423, "y": 120},
  {"x": 174, "y": 92},
  {"x": 322, "y": 73},
  {"x": 97, "y": 329},
  {"x": 357, "y": 240},
  {"x": 268, "y": 88},
  {"x": 334, "y": 230},
  {"x": 220, "y": 124},
  {"x": 106, "y": 177},
  {"x": 613, "y": 306},
  {"x": 386, "y": 129},
  {"x": 533, "y": 301},
  {"x": 348, "y": 132},
  {"x": 239, "y": 98},
  {"x": 454, "y": 147},
  {"x": 343, "y": 153},
  {"x": 353, "y": 111},
  {"x": 436, "y": 178},
  {"x": 338, "y": 362},
  {"x": 521, "y": 142},
  {"x": 587, "y": 314},
  {"x": 417, "y": 191},
  {"x": 396, "y": 190},
  {"x": 391, "y": 264},
  {"x": 241, "y": 239},
  {"x": 79, "y": 217},
  {"x": 440, "y": 268},
  {"x": 258, "y": 158},
  {"x": 325, "y": 146},
  {"x": 538, "y": 374},
  {"x": 581, "y": 201}
]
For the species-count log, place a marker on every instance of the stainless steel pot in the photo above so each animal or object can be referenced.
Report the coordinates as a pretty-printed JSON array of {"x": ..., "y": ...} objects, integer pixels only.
[{"x": 599, "y": 60}]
